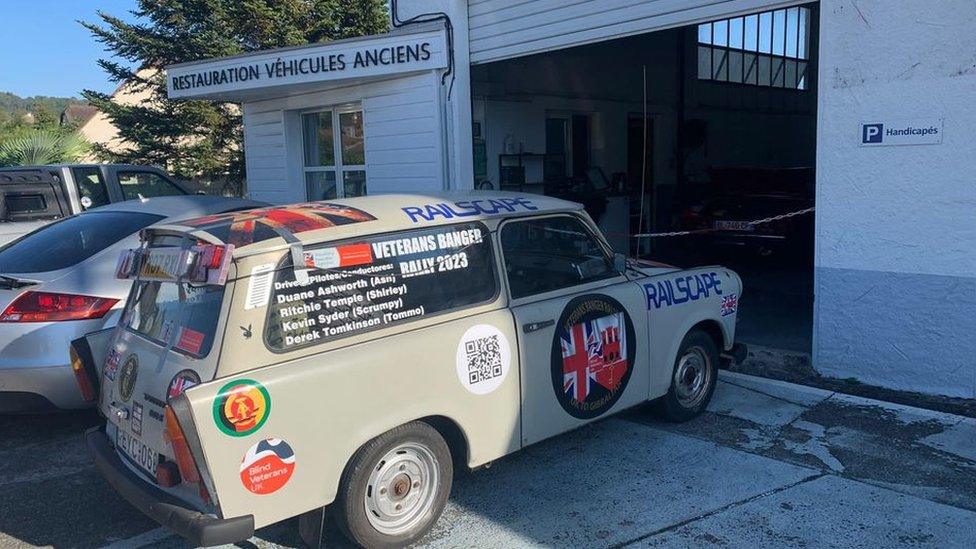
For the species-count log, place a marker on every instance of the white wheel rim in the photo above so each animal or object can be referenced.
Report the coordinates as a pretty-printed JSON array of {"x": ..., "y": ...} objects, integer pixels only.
[
  {"x": 692, "y": 377},
  {"x": 401, "y": 489}
]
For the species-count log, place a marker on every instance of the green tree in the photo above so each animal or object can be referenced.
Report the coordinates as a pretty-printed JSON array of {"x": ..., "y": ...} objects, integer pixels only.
[
  {"x": 203, "y": 138},
  {"x": 43, "y": 146}
]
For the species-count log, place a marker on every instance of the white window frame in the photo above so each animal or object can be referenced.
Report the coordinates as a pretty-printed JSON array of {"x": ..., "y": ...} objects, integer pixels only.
[{"x": 340, "y": 168}]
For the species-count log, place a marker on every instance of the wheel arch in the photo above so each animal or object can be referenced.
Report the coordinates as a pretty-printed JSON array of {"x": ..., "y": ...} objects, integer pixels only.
[
  {"x": 454, "y": 436},
  {"x": 714, "y": 330}
]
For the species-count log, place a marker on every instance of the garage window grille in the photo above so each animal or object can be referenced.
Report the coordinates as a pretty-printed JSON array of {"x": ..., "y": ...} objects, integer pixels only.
[
  {"x": 770, "y": 49},
  {"x": 335, "y": 153}
]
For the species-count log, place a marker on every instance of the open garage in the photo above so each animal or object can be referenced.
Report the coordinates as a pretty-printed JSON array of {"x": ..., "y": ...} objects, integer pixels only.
[{"x": 698, "y": 130}]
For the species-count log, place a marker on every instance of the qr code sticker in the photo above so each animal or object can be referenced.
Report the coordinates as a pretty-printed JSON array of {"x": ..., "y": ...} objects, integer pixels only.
[{"x": 484, "y": 359}]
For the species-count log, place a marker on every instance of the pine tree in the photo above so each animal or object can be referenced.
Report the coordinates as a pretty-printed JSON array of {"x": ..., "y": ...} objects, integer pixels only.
[{"x": 203, "y": 138}]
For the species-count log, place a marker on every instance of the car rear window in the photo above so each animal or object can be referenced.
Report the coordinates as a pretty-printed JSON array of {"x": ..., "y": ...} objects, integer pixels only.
[
  {"x": 70, "y": 241},
  {"x": 155, "y": 313},
  {"x": 379, "y": 281}
]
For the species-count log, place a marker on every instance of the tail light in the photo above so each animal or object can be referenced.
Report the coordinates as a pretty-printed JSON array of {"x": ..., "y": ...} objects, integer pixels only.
[
  {"x": 184, "y": 458},
  {"x": 82, "y": 376},
  {"x": 51, "y": 307}
]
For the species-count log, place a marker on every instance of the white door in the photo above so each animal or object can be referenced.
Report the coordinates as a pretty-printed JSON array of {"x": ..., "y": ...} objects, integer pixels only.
[{"x": 582, "y": 344}]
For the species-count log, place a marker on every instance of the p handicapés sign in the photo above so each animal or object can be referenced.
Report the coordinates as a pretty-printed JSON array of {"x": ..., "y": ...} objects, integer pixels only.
[{"x": 374, "y": 56}]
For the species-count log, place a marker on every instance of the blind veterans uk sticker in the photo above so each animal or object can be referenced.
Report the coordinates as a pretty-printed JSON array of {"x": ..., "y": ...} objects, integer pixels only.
[
  {"x": 267, "y": 466},
  {"x": 241, "y": 407},
  {"x": 592, "y": 355},
  {"x": 483, "y": 359}
]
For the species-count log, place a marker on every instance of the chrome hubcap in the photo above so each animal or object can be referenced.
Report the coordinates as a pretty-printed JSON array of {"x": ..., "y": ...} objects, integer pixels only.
[
  {"x": 692, "y": 377},
  {"x": 401, "y": 489}
]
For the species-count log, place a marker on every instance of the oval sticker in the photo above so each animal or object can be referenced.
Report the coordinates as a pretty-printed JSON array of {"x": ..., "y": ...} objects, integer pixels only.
[
  {"x": 241, "y": 407},
  {"x": 181, "y": 382},
  {"x": 267, "y": 466},
  {"x": 127, "y": 377},
  {"x": 483, "y": 359},
  {"x": 592, "y": 355}
]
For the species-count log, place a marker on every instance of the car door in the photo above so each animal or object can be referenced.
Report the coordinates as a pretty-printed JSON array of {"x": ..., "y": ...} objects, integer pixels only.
[{"x": 582, "y": 334}]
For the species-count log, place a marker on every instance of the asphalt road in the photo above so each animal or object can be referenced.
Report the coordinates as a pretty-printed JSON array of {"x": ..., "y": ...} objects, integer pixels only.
[{"x": 769, "y": 465}]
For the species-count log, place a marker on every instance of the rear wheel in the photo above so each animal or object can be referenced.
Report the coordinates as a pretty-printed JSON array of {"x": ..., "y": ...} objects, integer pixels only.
[
  {"x": 693, "y": 379},
  {"x": 395, "y": 487}
]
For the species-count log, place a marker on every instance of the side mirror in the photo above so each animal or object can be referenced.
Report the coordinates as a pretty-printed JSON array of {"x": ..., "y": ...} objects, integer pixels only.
[{"x": 619, "y": 262}]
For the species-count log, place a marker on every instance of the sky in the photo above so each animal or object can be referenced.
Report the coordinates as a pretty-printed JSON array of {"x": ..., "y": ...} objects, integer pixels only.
[{"x": 44, "y": 51}]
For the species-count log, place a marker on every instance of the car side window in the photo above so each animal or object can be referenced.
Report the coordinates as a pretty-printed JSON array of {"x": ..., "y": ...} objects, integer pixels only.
[
  {"x": 146, "y": 185},
  {"x": 91, "y": 187},
  {"x": 552, "y": 253}
]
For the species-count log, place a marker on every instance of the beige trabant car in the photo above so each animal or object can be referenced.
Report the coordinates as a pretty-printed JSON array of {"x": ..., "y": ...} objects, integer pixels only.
[{"x": 349, "y": 355}]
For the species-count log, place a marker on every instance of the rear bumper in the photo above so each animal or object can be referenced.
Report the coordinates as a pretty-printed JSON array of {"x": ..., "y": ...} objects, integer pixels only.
[
  {"x": 198, "y": 528},
  {"x": 54, "y": 384}
]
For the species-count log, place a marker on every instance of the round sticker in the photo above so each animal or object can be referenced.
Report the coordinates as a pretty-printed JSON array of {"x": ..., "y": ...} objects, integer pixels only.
[
  {"x": 241, "y": 407},
  {"x": 483, "y": 359},
  {"x": 592, "y": 355},
  {"x": 86, "y": 202},
  {"x": 181, "y": 382},
  {"x": 267, "y": 466},
  {"x": 127, "y": 377}
]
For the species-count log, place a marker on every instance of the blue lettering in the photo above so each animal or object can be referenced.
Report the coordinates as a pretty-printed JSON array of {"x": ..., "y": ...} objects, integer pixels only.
[
  {"x": 683, "y": 288},
  {"x": 433, "y": 211},
  {"x": 413, "y": 212},
  {"x": 651, "y": 295},
  {"x": 468, "y": 208}
]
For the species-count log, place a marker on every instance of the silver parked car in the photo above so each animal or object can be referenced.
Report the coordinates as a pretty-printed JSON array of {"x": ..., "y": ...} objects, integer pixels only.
[{"x": 58, "y": 283}]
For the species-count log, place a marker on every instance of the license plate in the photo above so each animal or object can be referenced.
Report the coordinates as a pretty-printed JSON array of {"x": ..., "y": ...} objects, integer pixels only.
[
  {"x": 726, "y": 225},
  {"x": 136, "y": 450}
]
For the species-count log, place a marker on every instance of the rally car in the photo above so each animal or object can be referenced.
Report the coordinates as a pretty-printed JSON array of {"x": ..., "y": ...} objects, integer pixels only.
[{"x": 346, "y": 356}]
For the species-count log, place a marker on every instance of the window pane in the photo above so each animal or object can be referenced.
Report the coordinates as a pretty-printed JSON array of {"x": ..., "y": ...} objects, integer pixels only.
[
  {"x": 704, "y": 64},
  {"x": 764, "y": 70},
  {"x": 409, "y": 275},
  {"x": 155, "y": 313},
  {"x": 790, "y": 80},
  {"x": 721, "y": 33},
  {"x": 779, "y": 31},
  {"x": 542, "y": 255},
  {"x": 792, "y": 29},
  {"x": 766, "y": 32},
  {"x": 735, "y": 66},
  {"x": 802, "y": 67},
  {"x": 752, "y": 32},
  {"x": 705, "y": 33},
  {"x": 71, "y": 241},
  {"x": 778, "y": 72},
  {"x": 803, "y": 42},
  {"x": 735, "y": 33},
  {"x": 146, "y": 185},
  {"x": 320, "y": 185},
  {"x": 751, "y": 68},
  {"x": 319, "y": 144},
  {"x": 351, "y": 129},
  {"x": 90, "y": 187},
  {"x": 720, "y": 66},
  {"x": 353, "y": 183}
]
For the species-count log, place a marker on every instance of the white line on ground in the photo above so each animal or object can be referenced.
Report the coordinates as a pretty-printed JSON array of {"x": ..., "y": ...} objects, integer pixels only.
[{"x": 144, "y": 539}]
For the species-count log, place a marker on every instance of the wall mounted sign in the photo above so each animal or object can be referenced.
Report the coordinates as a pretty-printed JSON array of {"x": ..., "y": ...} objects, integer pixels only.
[
  {"x": 880, "y": 133},
  {"x": 343, "y": 59}
]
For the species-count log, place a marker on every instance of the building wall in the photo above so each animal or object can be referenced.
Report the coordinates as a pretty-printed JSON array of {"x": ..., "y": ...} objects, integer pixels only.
[
  {"x": 403, "y": 122},
  {"x": 896, "y": 228},
  {"x": 502, "y": 29}
]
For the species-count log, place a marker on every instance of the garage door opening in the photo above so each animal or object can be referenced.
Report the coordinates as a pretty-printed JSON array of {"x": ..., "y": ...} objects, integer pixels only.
[{"x": 704, "y": 129}]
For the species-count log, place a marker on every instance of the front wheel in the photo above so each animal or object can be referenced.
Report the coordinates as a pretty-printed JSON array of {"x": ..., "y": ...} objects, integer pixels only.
[
  {"x": 395, "y": 487},
  {"x": 693, "y": 379}
]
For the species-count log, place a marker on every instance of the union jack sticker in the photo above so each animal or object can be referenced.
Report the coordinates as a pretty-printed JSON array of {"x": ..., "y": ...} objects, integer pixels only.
[{"x": 730, "y": 304}]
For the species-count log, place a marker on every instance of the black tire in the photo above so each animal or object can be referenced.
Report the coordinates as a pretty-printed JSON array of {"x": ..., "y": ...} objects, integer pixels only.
[
  {"x": 350, "y": 508},
  {"x": 672, "y": 406}
]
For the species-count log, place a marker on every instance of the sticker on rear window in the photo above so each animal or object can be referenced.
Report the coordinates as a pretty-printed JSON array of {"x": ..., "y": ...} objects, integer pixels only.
[
  {"x": 190, "y": 341},
  {"x": 267, "y": 466},
  {"x": 259, "y": 286},
  {"x": 181, "y": 382},
  {"x": 241, "y": 407}
]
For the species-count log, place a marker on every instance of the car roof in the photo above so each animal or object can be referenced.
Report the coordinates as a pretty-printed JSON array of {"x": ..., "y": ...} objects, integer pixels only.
[
  {"x": 178, "y": 207},
  {"x": 268, "y": 228}
]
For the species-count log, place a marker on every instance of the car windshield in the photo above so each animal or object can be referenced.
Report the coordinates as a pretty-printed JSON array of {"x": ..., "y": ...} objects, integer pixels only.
[{"x": 68, "y": 242}]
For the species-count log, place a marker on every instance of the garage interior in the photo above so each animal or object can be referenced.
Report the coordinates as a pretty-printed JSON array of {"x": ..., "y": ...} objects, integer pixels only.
[{"x": 699, "y": 128}]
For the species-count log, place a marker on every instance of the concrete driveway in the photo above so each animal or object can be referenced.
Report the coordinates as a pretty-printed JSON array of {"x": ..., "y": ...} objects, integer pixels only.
[{"x": 770, "y": 465}]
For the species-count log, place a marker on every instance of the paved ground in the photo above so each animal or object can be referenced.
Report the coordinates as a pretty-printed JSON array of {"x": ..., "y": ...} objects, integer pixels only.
[{"x": 770, "y": 465}]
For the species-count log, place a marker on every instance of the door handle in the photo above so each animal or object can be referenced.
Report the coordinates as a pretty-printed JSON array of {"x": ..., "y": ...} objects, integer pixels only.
[{"x": 530, "y": 327}]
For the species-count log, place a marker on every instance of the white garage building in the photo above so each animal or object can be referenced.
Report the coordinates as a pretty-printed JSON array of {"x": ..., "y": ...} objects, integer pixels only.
[{"x": 647, "y": 98}]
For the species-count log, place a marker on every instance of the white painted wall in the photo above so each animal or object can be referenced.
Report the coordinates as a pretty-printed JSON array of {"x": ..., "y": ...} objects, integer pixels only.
[
  {"x": 402, "y": 125},
  {"x": 502, "y": 29},
  {"x": 896, "y": 226}
]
